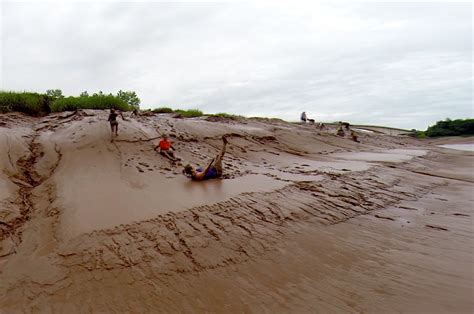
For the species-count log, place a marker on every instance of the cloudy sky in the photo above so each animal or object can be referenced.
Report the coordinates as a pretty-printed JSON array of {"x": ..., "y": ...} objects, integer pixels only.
[{"x": 397, "y": 64}]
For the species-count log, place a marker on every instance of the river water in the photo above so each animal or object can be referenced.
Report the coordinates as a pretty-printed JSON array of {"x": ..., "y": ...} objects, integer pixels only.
[{"x": 465, "y": 147}]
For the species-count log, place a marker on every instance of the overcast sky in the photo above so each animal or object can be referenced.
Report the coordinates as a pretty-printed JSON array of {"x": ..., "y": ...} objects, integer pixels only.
[{"x": 400, "y": 64}]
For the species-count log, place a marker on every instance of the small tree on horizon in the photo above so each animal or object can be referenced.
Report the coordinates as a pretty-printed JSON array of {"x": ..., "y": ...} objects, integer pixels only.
[
  {"x": 130, "y": 98},
  {"x": 55, "y": 93}
]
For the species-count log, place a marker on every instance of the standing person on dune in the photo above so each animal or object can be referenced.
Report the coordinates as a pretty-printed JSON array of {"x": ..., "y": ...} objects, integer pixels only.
[
  {"x": 113, "y": 121},
  {"x": 213, "y": 169},
  {"x": 303, "y": 117}
]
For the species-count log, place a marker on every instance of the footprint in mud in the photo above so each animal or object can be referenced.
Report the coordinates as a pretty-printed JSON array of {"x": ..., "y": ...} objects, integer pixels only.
[
  {"x": 139, "y": 169},
  {"x": 436, "y": 227},
  {"x": 462, "y": 215}
]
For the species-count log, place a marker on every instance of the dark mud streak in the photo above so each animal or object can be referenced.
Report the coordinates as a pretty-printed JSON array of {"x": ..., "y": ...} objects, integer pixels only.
[
  {"x": 27, "y": 173},
  {"x": 436, "y": 228},
  {"x": 139, "y": 140},
  {"x": 441, "y": 176}
]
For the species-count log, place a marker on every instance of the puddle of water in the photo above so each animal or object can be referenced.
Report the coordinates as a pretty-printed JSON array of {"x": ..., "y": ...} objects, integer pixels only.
[
  {"x": 409, "y": 152},
  {"x": 463, "y": 147},
  {"x": 363, "y": 130},
  {"x": 394, "y": 155},
  {"x": 87, "y": 210}
]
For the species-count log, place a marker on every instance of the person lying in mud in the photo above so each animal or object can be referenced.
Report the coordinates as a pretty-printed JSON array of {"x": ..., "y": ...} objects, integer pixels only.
[
  {"x": 166, "y": 149},
  {"x": 113, "y": 121},
  {"x": 213, "y": 169}
]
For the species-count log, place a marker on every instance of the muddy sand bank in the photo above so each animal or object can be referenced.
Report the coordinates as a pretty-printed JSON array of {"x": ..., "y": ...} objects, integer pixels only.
[{"x": 302, "y": 221}]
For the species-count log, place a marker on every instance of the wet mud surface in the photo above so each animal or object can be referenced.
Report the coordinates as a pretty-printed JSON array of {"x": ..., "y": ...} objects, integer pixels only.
[{"x": 93, "y": 225}]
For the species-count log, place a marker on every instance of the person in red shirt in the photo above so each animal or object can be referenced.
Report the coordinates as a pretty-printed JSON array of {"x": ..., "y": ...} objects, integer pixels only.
[{"x": 165, "y": 148}]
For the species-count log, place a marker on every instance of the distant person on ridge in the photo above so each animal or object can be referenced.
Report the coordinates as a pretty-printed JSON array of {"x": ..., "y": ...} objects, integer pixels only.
[
  {"x": 303, "y": 117},
  {"x": 340, "y": 131},
  {"x": 165, "y": 148},
  {"x": 345, "y": 125},
  {"x": 213, "y": 169},
  {"x": 113, "y": 121},
  {"x": 134, "y": 113},
  {"x": 354, "y": 136}
]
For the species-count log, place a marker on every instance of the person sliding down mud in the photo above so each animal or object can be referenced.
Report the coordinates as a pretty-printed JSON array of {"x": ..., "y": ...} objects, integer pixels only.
[
  {"x": 166, "y": 149},
  {"x": 213, "y": 169},
  {"x": 113, "y": 121}
]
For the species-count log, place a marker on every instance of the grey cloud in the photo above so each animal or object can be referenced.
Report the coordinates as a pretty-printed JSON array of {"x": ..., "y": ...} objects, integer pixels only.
[{"x": 366, "y": 63}]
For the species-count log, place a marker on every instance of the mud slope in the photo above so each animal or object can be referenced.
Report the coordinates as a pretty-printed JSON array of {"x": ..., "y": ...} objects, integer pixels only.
[{"x": 302, "y": 221}]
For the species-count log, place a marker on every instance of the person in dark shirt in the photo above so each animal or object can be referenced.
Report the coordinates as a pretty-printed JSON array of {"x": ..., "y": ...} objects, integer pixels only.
[
  {"x": 134, "y": 113},
  {"x": 303, "y": 117},
  {"x": 113, "y": 121}
]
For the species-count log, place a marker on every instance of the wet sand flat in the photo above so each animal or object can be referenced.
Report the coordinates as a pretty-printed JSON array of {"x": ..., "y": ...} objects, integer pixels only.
[
  {"x": 369, "y": 264},
  {"x": 301, "y": 221},
  {"x": 398, "y": 155},
  {"x": 88, "y": 211},
  {"x": 464, "y": 147}
]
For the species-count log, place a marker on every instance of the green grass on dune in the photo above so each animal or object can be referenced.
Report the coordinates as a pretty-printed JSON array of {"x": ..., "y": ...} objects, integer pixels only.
[
  {"x": 190, "y": 113},
  {"x": 33, "y": 104},
  {"x": 89, "y": 102},
  {"x": 227, "y": 116},
  {"x": 36, "y": 104},
  {"x": 163, "y": 110}
]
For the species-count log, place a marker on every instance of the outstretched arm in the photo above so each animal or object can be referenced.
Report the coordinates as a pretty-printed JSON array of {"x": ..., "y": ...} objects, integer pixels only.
[{"x": 200, "y": 176}]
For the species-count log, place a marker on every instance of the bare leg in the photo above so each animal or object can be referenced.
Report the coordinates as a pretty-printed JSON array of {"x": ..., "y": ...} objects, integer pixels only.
[
  {"x": 168, "y": 155},
  {"x": 218, "y": 160}
]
